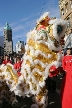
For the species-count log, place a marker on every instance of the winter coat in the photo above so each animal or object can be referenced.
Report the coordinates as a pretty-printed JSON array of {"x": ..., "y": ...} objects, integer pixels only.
[
  {"x": 17, "y": 66},
  {"x": 6, "y": 61}
]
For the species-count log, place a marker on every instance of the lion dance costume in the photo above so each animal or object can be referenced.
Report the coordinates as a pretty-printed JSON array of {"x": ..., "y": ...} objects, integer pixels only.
[{"x": 41, "y": 53}]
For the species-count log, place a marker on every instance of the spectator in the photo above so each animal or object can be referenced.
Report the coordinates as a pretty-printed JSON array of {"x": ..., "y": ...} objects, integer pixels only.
[
  {"x": 2, "y": 58},
  {"x": 6, "y": 60},
  {"x": 66, "y": 89},
  {"x": 52, "y": 79},
  {"x": 17, "y": 65},
  {"x": 11, "y": 59},
  {"x": 14, "y": 58}
]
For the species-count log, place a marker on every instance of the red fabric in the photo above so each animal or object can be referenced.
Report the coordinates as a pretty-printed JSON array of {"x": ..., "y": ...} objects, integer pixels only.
[
  {"x": 6, "y": 61},
  {"x": 66, "y": 62},
  {"x": 17, "y": 66},
  {"x": 40, "y": 27},
  {"x": 19, "y": 74},
  {"x": 66, "y": 88},
  {"x": 54, "y": 71}
]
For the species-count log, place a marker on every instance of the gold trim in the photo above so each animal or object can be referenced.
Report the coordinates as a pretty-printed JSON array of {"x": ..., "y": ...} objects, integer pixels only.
[{"x": 13, "y": 75}]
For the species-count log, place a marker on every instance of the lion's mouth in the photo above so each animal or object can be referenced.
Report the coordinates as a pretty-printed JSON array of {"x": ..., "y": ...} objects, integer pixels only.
[
  {"x": 55, "y": 51},
  {"x": 56, "y": 42}
]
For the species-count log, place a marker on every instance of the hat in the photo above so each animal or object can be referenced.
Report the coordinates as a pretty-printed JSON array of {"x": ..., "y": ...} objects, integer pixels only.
[
  {"x": 43, "y": 17},
  {"x": 69, "y": 48}
]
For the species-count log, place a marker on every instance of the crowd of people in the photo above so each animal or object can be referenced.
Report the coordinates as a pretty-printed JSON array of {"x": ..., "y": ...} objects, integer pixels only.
[{"x": 16, "y": 61}]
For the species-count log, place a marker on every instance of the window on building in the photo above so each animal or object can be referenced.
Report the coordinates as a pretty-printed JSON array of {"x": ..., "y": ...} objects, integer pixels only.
[
  {"x": 10, "y": 46},
  {"x": 71, "y": 3},
  {"x": 9, "y": 38},
  {"x": 7, "y": 49},
  {"x": 66, "y": 7},
  {"x": 62, "y": 11},
  {"x": 4, "y": 45},
  {"x": 68, "y": 19}
]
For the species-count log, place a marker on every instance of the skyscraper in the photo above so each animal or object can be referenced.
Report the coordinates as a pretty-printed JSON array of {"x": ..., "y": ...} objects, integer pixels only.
[
  {"x": 66, "y": 13},
  {"x": 8, "y": 43}
]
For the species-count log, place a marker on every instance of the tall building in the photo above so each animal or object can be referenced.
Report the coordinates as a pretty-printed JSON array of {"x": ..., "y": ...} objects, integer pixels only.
[
  {"x": 8, "y": 43},
  {"x": 20, "y": 47},
  {"x": 66, "y": 13}
]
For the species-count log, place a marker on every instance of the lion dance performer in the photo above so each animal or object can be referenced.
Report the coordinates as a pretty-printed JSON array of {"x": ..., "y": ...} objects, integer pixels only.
[{"x": 41, "y": 54}]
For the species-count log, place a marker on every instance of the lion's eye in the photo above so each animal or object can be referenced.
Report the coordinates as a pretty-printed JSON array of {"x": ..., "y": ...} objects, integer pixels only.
[{"x": 59, "y": 29}]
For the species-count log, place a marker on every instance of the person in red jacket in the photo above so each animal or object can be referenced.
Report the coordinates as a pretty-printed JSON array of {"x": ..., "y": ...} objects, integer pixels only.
[
  {"x": 66, "y": 88},
  {"x": 17, "y": 65},
  {"x": 6, "y": 60},
  {"x": 52, "y": 78}
]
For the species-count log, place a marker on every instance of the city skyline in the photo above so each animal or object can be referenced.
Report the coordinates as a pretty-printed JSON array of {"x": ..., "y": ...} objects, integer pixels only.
[{"x": 22, "y": 15}]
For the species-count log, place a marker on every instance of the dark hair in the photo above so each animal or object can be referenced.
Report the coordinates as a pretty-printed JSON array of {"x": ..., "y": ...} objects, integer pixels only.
[
  {"x": 18, "y": 58},
  {"x": 68, "y": 49},
  {"x": 6, "y": 55}
]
